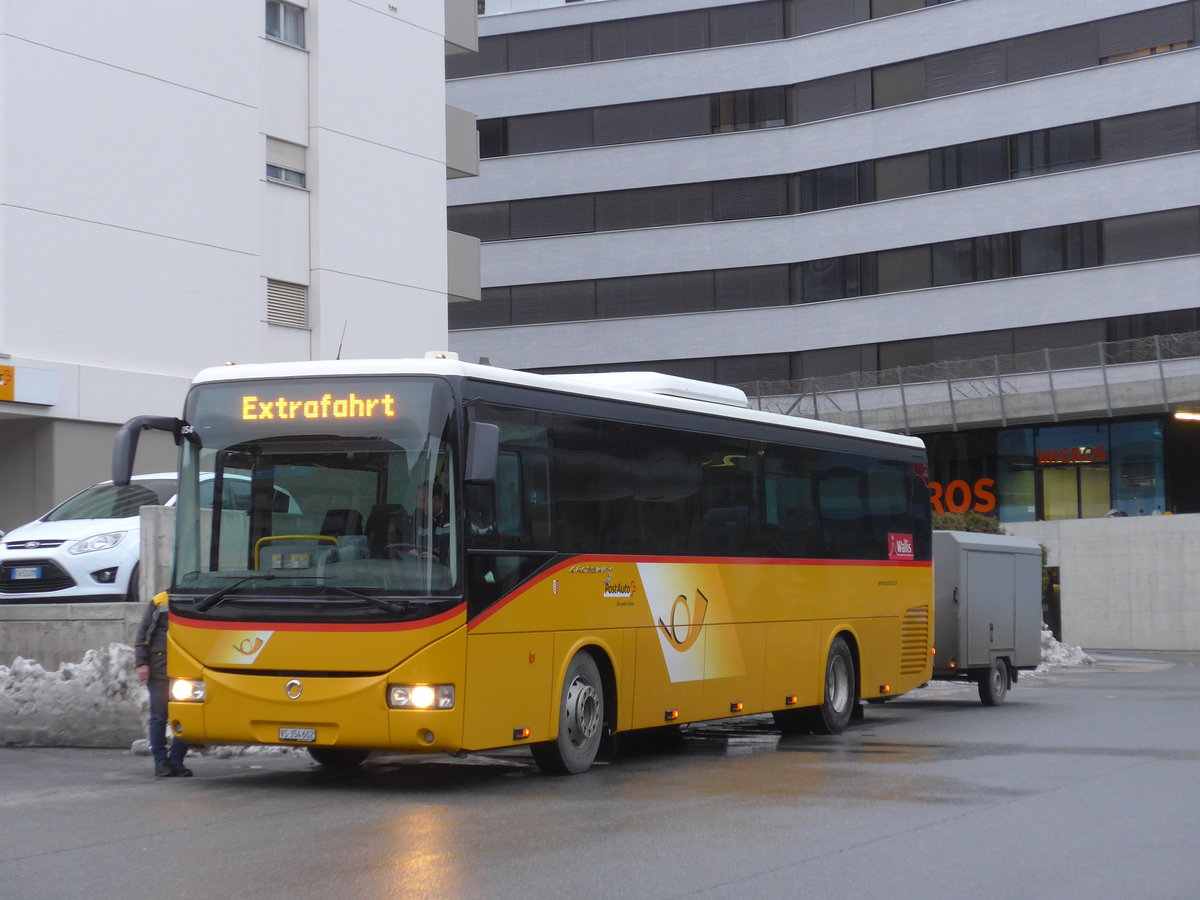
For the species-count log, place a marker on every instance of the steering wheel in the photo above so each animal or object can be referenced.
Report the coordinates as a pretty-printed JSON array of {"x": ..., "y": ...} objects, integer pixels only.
[
  {"x": 412, "y": 552},
  {"x": 403, "y": 551}
]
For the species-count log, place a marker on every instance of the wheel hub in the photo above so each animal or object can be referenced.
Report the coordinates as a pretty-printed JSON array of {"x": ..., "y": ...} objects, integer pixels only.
[
  {"x": 839, "y": 684},
  {"x": 582, "y": 712}
]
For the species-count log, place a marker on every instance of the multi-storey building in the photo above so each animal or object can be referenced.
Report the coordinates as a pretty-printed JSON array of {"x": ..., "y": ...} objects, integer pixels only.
[
  {"x": 251, "y": 181},
  {"x": 972, "y": 220}
]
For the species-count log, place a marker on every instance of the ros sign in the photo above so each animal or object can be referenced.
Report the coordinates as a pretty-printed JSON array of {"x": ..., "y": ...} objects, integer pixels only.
[{"x": 959, "y": 496}]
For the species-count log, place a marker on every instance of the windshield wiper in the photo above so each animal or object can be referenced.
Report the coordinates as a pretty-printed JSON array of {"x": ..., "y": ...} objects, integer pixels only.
[
  {"x": 206, "y": 603},
  {"x": 392, "y": 606}
]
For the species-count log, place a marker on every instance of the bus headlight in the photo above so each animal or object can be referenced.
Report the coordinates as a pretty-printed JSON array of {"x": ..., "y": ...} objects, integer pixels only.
[
  {"x": 185, "y": 690},
  {"x": 420, "y": 696}
]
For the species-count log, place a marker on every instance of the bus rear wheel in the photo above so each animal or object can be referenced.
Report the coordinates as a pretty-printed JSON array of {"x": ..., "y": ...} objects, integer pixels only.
[
  {"x": 337, "y": 757},
  {"x": 833, "y": 715},
  {"x": 580, "y": 721}
]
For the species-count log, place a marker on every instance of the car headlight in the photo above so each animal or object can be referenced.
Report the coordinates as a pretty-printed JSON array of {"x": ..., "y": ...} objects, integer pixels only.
[
  {"x": 187, "y": 690},
  {"x": 97, "y": 542},
  {"x": 420, "y": 696}
]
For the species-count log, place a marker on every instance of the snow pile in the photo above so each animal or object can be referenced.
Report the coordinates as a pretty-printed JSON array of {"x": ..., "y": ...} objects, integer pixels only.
[
  {"x": 97, "y": 702},
  {"x": 1056, "y": 654}
]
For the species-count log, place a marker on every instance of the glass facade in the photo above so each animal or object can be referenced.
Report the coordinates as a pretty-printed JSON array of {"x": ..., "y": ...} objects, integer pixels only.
[{"x": 1076, "y": 470}]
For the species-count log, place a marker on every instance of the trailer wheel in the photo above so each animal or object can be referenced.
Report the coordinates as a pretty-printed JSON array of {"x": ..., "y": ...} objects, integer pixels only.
[
  {"x": 580, "y": 721},
  {"x": 993, "y": 685}
]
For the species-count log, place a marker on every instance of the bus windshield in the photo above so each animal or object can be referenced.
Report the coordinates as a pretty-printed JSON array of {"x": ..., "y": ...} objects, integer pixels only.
[{"x": 331, "y": 496}]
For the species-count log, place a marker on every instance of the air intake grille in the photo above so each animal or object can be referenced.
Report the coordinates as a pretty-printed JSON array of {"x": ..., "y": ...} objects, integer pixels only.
[
  {"x": 914, "y": 641},
  {"x": 287, "y": 304}
]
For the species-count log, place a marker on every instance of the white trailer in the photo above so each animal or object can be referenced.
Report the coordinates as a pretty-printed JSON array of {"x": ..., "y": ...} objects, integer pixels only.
[{"x": 987, "y": 609}]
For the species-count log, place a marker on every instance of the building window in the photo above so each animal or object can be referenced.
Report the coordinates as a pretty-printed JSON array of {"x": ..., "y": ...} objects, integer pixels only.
[
  {"x": 285, "y": 22},
  {"x": 746, "y": 110},
  {"x": 285, "y": 176},
  {"x": 1145, "y": 51},
  {"x": 1055, "y": 149},
  {"x": 287, "y": 304},
  {"x": 286, "y": 163}
]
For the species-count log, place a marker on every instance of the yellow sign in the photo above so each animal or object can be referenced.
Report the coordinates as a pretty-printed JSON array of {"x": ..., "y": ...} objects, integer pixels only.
[
  {"x": 8, "y": 378},
  {"x": 255, "y": 409}
]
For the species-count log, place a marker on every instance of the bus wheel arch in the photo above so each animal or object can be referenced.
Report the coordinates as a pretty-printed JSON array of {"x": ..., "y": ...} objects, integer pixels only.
[
  {"x": 581, "y": 715},
  {"x": 839, "y": 701}
]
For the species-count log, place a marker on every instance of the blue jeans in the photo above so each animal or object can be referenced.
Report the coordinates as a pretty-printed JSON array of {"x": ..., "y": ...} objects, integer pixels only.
[{"x": 158, "y": 726}]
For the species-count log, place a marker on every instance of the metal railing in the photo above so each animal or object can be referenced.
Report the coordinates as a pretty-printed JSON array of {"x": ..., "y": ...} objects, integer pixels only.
[{"x": 1056, "y": 376}]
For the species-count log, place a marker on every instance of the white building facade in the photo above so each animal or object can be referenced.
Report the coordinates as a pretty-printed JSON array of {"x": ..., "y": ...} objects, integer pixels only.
[{"x": 251, "y": 182}]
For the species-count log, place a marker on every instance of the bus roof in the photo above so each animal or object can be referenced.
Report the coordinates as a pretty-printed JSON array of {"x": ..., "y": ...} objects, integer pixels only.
[{"x": 643, "y": 388}]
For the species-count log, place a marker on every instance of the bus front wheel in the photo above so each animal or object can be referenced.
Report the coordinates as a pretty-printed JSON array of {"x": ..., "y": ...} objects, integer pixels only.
[{"x": 580, "y": 721}]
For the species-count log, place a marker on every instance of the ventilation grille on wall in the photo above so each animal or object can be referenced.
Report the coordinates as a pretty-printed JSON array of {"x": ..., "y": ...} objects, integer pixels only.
[{"x": 287, "y": 304}]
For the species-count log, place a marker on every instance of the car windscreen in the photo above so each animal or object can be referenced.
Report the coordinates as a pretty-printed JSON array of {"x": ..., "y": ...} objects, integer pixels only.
[{"x": 110, "y": 501}]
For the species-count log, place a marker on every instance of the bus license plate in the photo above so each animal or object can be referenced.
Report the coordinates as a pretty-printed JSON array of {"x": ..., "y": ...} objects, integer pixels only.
[
  {"x": 302, "y": 735},
  {"x": 26, "y": 572}
]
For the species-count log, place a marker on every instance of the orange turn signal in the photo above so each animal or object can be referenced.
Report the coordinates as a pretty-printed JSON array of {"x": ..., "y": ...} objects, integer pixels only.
[
  {"x": 671, "y": 715},
  {"x": 737, "y": 706},
  {"x": 519, "y": 734}
]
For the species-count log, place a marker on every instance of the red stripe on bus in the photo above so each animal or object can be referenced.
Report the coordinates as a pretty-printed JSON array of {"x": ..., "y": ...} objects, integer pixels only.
[{"x": 318, "y": 626}]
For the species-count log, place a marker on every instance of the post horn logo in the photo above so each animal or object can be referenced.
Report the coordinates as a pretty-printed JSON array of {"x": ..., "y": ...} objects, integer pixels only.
[
  {"x": 248, "y": 647},
  {"x": 685, "y": 626},
  {"x": 293, "y": 689}
]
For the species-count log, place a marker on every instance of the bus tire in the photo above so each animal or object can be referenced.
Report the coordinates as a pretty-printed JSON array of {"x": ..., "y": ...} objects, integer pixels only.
[
  {"x": 580, "y": 721},
  {"x": 834, "y": 713},
  {"x": 338, "y": 757},
  {"x": 993, "y": 684}
]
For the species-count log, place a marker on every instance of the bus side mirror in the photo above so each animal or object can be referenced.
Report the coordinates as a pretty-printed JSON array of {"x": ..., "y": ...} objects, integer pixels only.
[
  {"x": 125, "y": 447},
  {"x": 483, "y": 450}
]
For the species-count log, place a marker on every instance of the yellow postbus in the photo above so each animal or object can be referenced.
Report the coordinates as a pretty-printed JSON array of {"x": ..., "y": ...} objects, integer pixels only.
[{"x": 430, "y": 556}]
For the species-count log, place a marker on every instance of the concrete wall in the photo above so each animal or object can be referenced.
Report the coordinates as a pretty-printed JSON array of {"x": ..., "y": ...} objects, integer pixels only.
[
  {"x": 1127, "y": 583},
  {"x": 55, "y": 633}
]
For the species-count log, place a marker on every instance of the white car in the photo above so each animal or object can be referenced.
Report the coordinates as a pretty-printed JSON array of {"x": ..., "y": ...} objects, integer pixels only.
[{"x": 87, "y": 548}]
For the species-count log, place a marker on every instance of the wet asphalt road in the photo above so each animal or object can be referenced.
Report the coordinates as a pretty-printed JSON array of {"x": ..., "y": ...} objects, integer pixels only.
[{"x": 1085, "y": 784}]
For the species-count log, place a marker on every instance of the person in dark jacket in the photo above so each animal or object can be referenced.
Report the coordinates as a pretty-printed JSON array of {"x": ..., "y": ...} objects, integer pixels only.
[{"x": 150, "y": 658}]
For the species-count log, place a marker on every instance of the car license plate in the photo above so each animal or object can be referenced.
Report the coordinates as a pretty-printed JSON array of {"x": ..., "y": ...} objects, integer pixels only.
[
  {"x": 26, "y": 572},
  {"x": 301, "y": 735}
]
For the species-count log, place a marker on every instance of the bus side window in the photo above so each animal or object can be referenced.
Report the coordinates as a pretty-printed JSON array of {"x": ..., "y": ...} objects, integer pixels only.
[
  {"x": 510, "y": 492},
  {"x": 844, "y": 514},
  {"x": 887, "y": 499},
  {"x": 791, "y": 504}
]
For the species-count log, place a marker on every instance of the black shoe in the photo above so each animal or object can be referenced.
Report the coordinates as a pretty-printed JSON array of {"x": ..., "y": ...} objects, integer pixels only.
[
  {"x": 164, "y": 770},
  {"x": 180, "y": 769}
]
